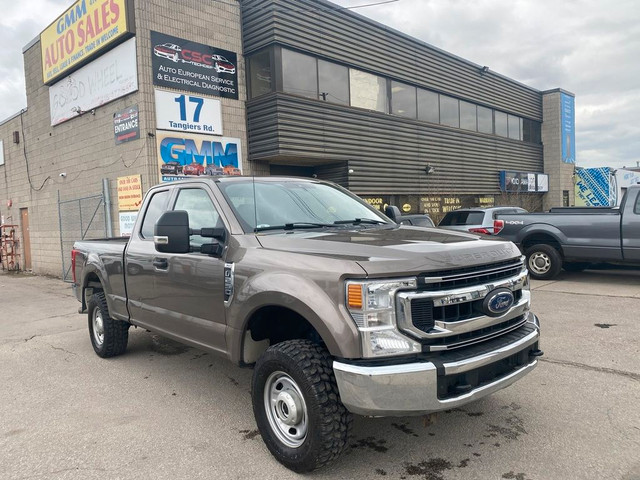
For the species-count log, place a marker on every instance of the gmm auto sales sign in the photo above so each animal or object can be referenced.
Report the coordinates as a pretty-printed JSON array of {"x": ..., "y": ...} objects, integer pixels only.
[
  {"x": 194, "y": 67},
  {"x": 85, "y": 30}
]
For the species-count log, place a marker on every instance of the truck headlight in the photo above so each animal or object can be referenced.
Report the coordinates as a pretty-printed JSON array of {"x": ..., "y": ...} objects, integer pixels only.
[{"x": 372, "y": 307}]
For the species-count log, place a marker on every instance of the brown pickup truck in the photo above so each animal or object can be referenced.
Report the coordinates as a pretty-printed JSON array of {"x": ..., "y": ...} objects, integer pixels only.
[{"x": 338, "y": 309}]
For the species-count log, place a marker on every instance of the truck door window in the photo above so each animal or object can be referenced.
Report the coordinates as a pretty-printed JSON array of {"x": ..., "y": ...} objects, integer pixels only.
[
  {"x": 157, "y": 206},
  {"x": 636, "y": 208},
  {"x": 202, "y": 212}
]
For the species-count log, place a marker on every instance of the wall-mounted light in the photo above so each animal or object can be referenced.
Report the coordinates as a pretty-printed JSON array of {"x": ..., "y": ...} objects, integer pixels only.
[
  {"x": 351, "y": 170},
  {"x": 484, "y": 70},
  {"x": 16, "y": 136},
  {"x": 429, "y": 169}
]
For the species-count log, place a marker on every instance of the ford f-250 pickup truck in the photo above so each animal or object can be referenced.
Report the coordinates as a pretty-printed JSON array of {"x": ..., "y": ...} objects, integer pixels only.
[
  {"x": 575, "y": 237},
  {"x": 338, "y": 309}
]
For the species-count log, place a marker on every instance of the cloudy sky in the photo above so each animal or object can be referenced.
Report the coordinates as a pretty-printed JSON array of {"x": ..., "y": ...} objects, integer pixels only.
[{"x": 588, "y": 47}]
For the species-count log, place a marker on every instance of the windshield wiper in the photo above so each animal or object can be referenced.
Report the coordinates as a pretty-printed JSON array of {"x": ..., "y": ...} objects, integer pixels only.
[
  {"x": 293, "y": 226},
  {"x": 358, "y": 221}
]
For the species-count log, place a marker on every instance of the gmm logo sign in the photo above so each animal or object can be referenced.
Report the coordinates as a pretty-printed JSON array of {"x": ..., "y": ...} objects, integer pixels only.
[{"x": 186, "y": 151}]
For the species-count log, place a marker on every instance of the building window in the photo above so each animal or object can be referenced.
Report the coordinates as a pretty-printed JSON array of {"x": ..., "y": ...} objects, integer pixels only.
[
  {"x": 501, "y": 124},
  {"x": 260, "y": 75},
  {"x": 449, "y": 112},
  {"x": 368, "y": 91},
  {"x": 428, "y": 107},
  {"x": 515, "y": 131},
  {"x": 485, "y": 120},
  {"x": 403, "y": 100},
  {"x": 531, "y": 131},
  {"x": 333, "y": 81},
  {"x": 468, "y": 116},
  {"x": 299, "y": 74}
]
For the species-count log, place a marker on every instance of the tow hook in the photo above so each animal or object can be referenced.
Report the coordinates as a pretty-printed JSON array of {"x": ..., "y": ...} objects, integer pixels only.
[{"x": 536, "y": 353}]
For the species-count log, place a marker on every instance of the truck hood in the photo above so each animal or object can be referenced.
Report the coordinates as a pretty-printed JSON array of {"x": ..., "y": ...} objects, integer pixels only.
[{"x": 396, "y": 251}]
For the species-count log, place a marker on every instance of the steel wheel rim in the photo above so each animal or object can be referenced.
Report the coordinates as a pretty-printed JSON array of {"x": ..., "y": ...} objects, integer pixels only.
[
  {"x": 98, "y": 327},
  {"x": 539, "y": 263},
  {"x": 286, "y": 409}
]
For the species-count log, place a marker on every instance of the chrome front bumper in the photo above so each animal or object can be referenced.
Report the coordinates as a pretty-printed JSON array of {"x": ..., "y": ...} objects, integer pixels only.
[{"x": 412, "y": 388}]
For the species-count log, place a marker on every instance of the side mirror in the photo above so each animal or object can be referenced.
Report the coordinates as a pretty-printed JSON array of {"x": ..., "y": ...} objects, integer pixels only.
[
  {"x": 171, "y": 234},
  {"x": 393, "y": 213}
]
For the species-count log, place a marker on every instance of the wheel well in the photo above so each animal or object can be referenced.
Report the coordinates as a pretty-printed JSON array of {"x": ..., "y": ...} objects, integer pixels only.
[
  {"x": 278, "y": 324},
  {"x": 537, "y": 238},
  {"x": 92, "y": 284}
]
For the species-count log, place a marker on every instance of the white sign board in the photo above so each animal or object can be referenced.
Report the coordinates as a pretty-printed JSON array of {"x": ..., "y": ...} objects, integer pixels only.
[
  {"x": 188, "y": 113},
  {"x": 1, "y": 152},
  {"x": 543, "y": 182},
  {"x": 110, "y": 76},
  {"x": 127, "y": 221}
]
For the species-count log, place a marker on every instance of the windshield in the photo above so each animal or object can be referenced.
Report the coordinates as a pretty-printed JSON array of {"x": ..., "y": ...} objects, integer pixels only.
[{"x": 264, "y": 205}]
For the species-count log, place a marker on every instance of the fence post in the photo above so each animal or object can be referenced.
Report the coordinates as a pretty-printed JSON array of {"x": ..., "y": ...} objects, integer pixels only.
[{"x": 107, "y": 207}]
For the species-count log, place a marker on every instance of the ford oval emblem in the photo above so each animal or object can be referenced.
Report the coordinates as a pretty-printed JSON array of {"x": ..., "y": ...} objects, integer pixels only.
[{"x": 497, "y": 302}]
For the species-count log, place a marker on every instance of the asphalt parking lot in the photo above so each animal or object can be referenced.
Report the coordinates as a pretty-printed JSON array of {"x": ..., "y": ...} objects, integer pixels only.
[{"x": 164, "y": 411}]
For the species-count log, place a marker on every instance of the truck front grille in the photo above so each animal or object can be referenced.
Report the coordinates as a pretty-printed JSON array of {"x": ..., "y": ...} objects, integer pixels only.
[{"x": 470, "y": 276}]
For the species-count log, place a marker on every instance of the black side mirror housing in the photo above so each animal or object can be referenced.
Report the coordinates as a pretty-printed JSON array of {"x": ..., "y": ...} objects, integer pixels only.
[
  {"x": 171, "y": 234},
  {"x": 214, "y": 249},
  {"x": 393, "y": 213}
]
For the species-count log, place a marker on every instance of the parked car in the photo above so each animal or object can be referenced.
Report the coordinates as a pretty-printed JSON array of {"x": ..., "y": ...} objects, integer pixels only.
[
  {"x": 168, "y": 50},
  {"x": 476, "y": 220},
  {"x": 417, "y": 219},
  {"x": 575, "y": 237},
  {"x": 171, "y": 168},
  {"x": 194, "y": 168},
  {"x": 339, "y": 310},
  {"x": 213, "y": 170}
]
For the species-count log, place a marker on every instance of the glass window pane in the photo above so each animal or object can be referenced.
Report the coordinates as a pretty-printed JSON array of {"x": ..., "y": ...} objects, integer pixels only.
[
  {"x": 368, "y": 91},
  {"x": 501, "y": 123},
  {"x": 514, "y": 127},
  {"x": 536, "y": 133},
  {"x": 485, "y": 120},
  {"x": 299, "y": 74},
  {"x": 403, "y": 100},
  {"x": 468, "y": 116},
  {"x": 260, "y": 74},
  {"x": 202, "y": 213},
  {"x": 157, "y": 206},
  {"x": 428, "y": 108},
  {"x": 449, "y": 113},
  {"x": 334, "y": 82}
]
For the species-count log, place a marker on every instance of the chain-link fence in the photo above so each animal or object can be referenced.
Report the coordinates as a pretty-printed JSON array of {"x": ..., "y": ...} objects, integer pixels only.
[{"x": 80, "y": 219}]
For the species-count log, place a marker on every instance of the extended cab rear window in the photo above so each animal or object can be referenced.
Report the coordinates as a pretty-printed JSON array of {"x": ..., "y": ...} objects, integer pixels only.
[{"x": 462, "y": 218}]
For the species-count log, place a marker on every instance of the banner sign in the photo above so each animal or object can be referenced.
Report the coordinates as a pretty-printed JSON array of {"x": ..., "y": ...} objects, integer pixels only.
[
  {"x": 568, "y": 128},
  {"x": 191, "y": 66},
  {"x": 523, "y": 182},
  {"x": 593, "y": 187},
  {"x": 126, "y": 126},
  {"x": 188, "y": 113},
  {"x": 111, "y": 76},
  {"x": 127, "y": 221},
  {"x": 81, "y": 33},
  {"x": 181, "y": 155},
  {"x": 129, "y": 192}
]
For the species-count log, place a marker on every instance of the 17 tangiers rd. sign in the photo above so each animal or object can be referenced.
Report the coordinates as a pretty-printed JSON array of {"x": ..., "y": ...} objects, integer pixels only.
[{"x": 80, "y": 33}]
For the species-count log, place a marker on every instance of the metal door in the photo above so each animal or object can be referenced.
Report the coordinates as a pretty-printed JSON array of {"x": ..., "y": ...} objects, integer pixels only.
[{"x": 631, "y": 228}]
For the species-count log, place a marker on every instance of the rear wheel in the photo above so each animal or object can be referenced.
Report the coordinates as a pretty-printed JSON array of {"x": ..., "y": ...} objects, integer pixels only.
[
  {"x": 297, "y": 406},
  {"x": 109, "y": 337},
  {"x": 543, "y": 261}
]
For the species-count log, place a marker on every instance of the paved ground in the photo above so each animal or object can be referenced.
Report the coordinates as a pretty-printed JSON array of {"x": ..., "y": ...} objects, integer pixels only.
[{"x": 163, "y": 411}]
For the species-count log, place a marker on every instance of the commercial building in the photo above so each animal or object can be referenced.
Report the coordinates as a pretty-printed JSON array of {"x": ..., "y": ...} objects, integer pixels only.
[{"x": 122, "y": 95}]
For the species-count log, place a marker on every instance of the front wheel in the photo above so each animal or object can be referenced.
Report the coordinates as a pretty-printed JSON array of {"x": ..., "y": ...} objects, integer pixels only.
[
  {"x": 543, "y": 261},
  {"x": 297, "y": 406}
]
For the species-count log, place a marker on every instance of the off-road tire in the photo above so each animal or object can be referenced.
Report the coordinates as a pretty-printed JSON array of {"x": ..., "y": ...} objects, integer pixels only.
[
  {"x": 575, "y": 266},
  {"x": 329, "y": 423},
  {"x": 543, "y": 261},
  {"x": 115, "y": 332}
]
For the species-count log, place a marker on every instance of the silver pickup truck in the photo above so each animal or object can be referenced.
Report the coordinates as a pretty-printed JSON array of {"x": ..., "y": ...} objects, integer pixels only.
[
  {"x": 575, "y": 237},
  {"x": 339, "y": 310}
]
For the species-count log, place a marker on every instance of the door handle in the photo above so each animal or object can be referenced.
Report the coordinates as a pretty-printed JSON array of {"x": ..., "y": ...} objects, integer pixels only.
[{"x": 160, "y": 263}]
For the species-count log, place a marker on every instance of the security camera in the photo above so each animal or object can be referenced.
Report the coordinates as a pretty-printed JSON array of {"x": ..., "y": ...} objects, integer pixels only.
[{"x": 63, "y": 174}]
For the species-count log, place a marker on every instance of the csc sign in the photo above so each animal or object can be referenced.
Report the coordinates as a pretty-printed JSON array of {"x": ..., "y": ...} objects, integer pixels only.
[
  {"x": 182, "y": 155},
  {"x": 81, "y": 33}
]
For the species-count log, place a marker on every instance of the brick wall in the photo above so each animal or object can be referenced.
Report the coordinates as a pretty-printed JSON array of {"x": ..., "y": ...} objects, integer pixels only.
[{"x": 84, "y": 147}]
